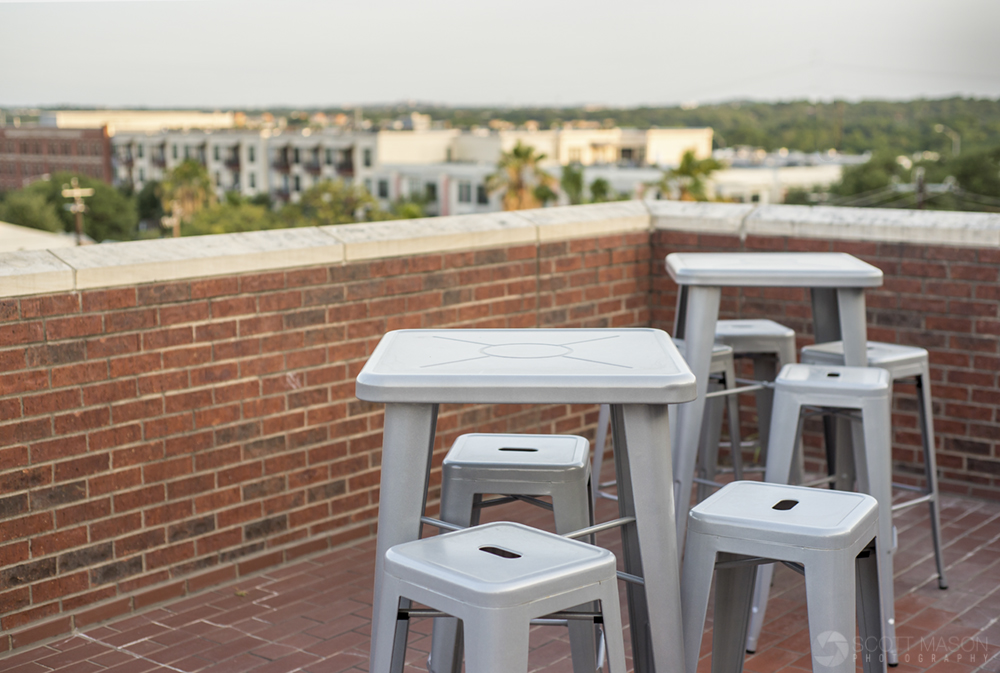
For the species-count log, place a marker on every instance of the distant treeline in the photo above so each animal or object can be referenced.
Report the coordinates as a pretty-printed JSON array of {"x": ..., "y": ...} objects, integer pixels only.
[{"x": 902, "y": 127}]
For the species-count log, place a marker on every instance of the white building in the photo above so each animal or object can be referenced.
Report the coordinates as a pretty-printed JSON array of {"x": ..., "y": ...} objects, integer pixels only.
[
  {"x": 281, "y": 164},
  {"x": 137, "y": 120}
]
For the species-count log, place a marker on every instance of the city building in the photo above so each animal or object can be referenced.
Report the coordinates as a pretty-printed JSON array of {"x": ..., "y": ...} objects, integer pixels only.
[
  {"x": 137, "y": 120},
  {"x": 29, "y": 153}
]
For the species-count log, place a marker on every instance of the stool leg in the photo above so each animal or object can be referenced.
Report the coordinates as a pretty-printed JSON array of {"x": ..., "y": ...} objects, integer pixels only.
[
  {"x": 734, "y": 589},
  {"x": 699, "y": 565},
  {"x": 735, "y": 436},
  {"x": 758, "y": 607},
  {"x": 571, "y": 507},
  {"x": 869, "y": 607},
  {"x": 497, "y": 642},
  {"x": 831, "y": 612},
  {"x": 926, "y": 411},
  {"x": 603, "y": 421},
  {"x": 457, "y": 501},
  {"x": 708, "y": 442},
  {"x": 384, "y": 633},
  {"x": 613, "y": 638},
  {"x": 782, "y": 448},
  {"x": 765, "y": 368},
  {"x": 874, "y": 462}
]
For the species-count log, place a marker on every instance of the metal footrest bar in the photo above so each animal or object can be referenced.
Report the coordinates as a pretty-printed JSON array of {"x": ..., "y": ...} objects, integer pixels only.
[
  {"x": 556, "y": 618},
  {"x": 708, "y": 482},
  {"x": 821, "y": 481},
  {"x": 911, "y": 503},
  {"x": 597, "y": 528},
  {"x": 607, "y": 496},
  {"x": 909, "y": 487},
  {"x": 534, "y": 501},
  {"x": 734, "y": 391},
  {"x": 630, "y": 578},
  {"x": 493, "y": 502},
  {"x": 437, "y": 523},
  {"x": 755, "y": 382}
]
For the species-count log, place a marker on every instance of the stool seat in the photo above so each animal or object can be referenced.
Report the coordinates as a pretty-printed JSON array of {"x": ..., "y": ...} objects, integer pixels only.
[
  {"x": 861, "y": 381},
  {"x": 754, "y": 336},
  {"x": 551, "y": 458},
  {"x": 901, "y": 360},
  {"x": 499, "y": 564},
  {"x": 826, "y": 519}
]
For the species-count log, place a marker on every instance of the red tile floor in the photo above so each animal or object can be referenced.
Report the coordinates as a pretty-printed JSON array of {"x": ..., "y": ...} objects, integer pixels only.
[{"x": 313, "y": 615}]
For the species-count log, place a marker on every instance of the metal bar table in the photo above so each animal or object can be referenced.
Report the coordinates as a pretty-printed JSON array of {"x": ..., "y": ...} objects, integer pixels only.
[
  {"x": 837, "y": 282},
  {"x": 637, "y": 371}
]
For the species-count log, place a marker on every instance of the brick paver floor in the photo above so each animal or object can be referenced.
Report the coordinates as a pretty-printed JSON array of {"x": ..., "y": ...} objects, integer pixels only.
[{"x": 314, "y": 615}]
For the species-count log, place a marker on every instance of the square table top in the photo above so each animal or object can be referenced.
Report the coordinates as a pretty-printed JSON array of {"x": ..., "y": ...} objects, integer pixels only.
[
  {"x": 527, "y": 366},
  {"x": 772, "y": 269}
]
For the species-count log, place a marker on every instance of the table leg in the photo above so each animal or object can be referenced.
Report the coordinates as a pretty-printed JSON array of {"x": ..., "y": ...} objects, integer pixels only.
[
  {"x": 641, "y": 436},
  {"x": 699, "y": 337},
  {"x": 827, "y": 316},
  {"x": 407, "y": 441}
]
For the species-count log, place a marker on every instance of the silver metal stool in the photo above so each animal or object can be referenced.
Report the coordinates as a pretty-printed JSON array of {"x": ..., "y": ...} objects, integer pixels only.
[
  {"x": 515, "y": 467},
  {"x": 496, "y": 578},
  {"x": 832, "y": 537},
  {"x": 904, "y": 363},
  {"x": 770, "y": 346},
  {"x": 724, "y": 369},
  {"x": 860, "y": 389}
]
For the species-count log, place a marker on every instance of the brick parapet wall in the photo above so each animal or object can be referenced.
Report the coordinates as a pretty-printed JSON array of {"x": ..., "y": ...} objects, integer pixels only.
[
  {"x": 175, "y": 414},
  {"x": 162, "y": 438}
]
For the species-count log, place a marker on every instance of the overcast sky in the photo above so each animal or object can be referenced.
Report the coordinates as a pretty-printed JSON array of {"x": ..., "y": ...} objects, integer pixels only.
[{"x": 246, "y": 53}]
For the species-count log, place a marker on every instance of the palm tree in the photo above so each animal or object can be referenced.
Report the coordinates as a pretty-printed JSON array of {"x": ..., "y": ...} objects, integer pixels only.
[
  {"x": 524, "y": 183},
  {"x": 689, "y": 177},
  {"x": 186, "y": 189}
]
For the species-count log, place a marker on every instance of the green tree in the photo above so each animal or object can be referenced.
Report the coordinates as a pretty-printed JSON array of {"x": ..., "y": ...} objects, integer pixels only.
[
  {"x": 230, "y": 217},
  {"x": 332, "y": 202},
  {"x": 186, "y": 189},
  {"x": 689, "y": 177},
  {"x": 978, "y": 172},
  {"x": 572, "y": 183},
  {"x": 30, "y": 209},
  {"x": 148, "y": 202},
  {"x": 600, "y": 191},
  {"x": 876, "y": 173},
  {"x": 110, "y": 215},
  {"x": 519, "y": 176}
]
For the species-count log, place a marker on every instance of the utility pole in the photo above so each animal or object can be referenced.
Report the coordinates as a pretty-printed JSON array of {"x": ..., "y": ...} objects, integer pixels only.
[
  {"x": 77, "y": 193},
  {"x": 173, "y": 221},
  {"x": 919, "y": 186}
]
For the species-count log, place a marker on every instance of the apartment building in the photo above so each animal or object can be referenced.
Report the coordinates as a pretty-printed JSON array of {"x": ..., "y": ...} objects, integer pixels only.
[
  {"x": 281, "y": 164},
  {"x": 137, "y": 120},
  {"x": 29, "y": 153}
]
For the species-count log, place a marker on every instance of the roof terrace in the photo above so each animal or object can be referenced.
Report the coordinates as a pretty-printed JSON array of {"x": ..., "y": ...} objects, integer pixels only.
[{"x": 183, "y": 459}]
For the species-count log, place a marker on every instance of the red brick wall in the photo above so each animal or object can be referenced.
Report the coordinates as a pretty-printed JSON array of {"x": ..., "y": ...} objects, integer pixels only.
[
  {"x": 158, "y": 439},
  {"x": 944, "y": 299}
]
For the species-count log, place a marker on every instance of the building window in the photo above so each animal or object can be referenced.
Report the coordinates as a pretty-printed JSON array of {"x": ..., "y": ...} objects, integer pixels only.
[
  {"x": 298, "y": 180},
  {"x": 218, "y": 179},
  {"x": 295, "y": 155},
  {"x": 626, "y": 154},
  {"x": 383, "y": 189},
  {"x": 139, "y": 151},
  {"x": 173, "y": 151},
  {"x": 464, "y": 192},
  {"x": 187, "y": 152},
  {"x": 251, "y": 154},
  {"x": 574, "y": 154},
  {"x": 215, "y": 153},
  {"x": 368, "y": 158},
  {"x": 431, "y": 189},
  {"x": 482, "y": 196},
  {"x": 142, "y": 175},
  {"x": 252, "y": 180},
  {"x": 329, "y": 157}
]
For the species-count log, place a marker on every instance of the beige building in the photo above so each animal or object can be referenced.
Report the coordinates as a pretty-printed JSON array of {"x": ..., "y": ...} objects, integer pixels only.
[{"x": 137, "y": 120}]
